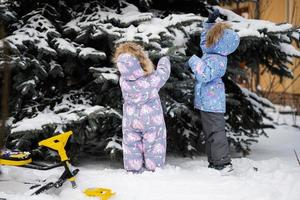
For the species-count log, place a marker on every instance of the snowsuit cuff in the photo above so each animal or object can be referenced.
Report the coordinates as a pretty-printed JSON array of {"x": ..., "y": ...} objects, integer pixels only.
[
  {"x": 207, "y": 25},
  {"x": 192, "y": 61}
]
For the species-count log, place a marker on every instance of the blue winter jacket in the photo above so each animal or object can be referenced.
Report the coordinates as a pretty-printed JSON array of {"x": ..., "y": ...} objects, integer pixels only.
[{"x": 208, "y": 70}]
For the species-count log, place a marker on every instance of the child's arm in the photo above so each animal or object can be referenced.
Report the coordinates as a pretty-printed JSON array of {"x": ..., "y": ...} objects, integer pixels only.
[
  {"x": 213, "y": 16},
  {"x": 206, "y": 72},
  {"x": 162, "y": 73},
  {"x": 207, "y": 25}
]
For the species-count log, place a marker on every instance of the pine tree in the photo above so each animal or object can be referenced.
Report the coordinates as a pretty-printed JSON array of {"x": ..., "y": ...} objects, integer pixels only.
[{"x": 63, "y": 77}]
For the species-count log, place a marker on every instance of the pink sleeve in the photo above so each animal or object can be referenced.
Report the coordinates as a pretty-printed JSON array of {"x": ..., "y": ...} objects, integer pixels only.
[{"x": 162, "y": 73}]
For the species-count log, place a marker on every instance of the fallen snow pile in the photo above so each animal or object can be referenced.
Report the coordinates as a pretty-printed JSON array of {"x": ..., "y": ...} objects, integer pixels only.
[
  {"x": 189, "y": 180},
  {"x": 272, "y": 173}
]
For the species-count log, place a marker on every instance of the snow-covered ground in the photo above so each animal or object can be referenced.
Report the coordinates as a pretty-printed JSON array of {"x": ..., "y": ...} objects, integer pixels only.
[{"x": 277, "y": 176}]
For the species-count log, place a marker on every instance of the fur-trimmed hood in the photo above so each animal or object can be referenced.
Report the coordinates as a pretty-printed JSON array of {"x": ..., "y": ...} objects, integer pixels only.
[
  {"x": 129, "y": 67},
  {"x": 226, "y": 44},
  {"x": 136, "y": 57}
]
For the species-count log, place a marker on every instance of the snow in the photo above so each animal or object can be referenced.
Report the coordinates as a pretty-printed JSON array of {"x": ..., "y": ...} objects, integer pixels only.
[
  {"x": 130, "y": 15},
  {"x": 105, "y": 73},
  {"x": 253, "y": 23},
  {"x": 109, "y": 76},
  {"x": 145, "y": 27},
  {"x": 277, "y": 177},
  {"x": 289, "y": 49},
  {"x": 262, "y": 100},
  {"x": 249, "y": 32},
  {"x": 63, "y": 113},
  {"x": 286, "y": 108},
  {"x": 132, "y": 25},
  {"x": 114, "y": 144},
  {"x": 256, "y": 28},
  {"x": 36, "y": 123},
  {"x": 29, "y": 82},
  {"x": 180, "y": 40},
  {"x": 176, "y": 19},
  {"x": 157, "y": 29},
  {"x": 64, "y": 47},
  {"x": 71, "y": 26},
  {"x": 93, "y": 110},
  {"x": 133, "y": 14},
  {"x": 281, "y": 145},
  {"x": 30, "y": 33},
  {"x": 296, "y": 35},
  {"x": 91, "y": 53},
  {"x": 103, "y": 70},
  {"x": 270, "y": 172}
]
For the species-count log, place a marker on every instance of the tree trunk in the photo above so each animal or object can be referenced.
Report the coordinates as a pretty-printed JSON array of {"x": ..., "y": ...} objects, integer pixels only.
[{"x": 5, "y": 93}]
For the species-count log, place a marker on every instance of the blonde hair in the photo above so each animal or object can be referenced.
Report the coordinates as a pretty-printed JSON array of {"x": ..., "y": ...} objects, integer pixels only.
[
  {"x": 215, "y": 33},
  {"x": 137, "y": 51}
]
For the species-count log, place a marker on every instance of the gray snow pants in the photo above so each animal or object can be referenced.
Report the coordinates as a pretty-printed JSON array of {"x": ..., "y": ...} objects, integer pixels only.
[{"x": 216, "y": 143}]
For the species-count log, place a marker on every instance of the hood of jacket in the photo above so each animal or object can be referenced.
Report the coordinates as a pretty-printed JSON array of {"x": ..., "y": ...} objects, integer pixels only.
[
  {"x": 129, "y": 67},
  {"x": 227, "y": 44}
]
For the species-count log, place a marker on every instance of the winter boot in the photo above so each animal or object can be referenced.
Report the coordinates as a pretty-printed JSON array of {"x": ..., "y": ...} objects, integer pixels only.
[
  {"x": 211, "y": 165},
  {"x": 225, "y": 169}
]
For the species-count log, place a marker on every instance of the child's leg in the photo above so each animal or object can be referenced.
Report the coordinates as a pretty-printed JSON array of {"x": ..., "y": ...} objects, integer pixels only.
[
  {"x": 213, "y": 125},
  {"x": 132, "y": 150},
  {"x": 208, "y": 151},
  {"x": 155, "y": 147}
]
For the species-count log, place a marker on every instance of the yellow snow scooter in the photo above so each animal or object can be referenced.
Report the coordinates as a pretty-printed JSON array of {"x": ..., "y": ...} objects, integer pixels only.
[{"x": 57, "y": 143}]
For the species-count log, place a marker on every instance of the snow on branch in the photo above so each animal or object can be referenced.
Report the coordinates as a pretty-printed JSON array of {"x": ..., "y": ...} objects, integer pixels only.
[
  {"x": 91, "y": 53},
  {"x": 131, "y": 25},
  {"x": 66, "y": 112},
  {"x": 35, "y": 32}
]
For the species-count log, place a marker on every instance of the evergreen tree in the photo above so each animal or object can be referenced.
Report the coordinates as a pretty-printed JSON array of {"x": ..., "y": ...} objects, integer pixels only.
[{"x": 63, "y": 77}]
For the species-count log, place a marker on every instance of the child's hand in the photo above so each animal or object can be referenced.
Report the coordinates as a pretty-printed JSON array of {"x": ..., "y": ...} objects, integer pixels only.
[
  {"x": 213, "y": 16},
  {"x": 171, "y": 51}
]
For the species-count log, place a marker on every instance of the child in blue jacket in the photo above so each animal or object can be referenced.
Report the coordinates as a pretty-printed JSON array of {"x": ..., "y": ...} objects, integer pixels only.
[{"x": 217, "y": 42}]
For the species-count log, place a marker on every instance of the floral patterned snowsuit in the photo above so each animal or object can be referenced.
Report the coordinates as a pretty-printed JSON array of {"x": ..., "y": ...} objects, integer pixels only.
[{"x": 143, "y": 126}]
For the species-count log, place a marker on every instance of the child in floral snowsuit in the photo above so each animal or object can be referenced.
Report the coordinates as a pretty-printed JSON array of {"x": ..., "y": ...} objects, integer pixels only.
[
  {"x": 143, "y": 126},
  {"x": 217, "y": 42}
]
